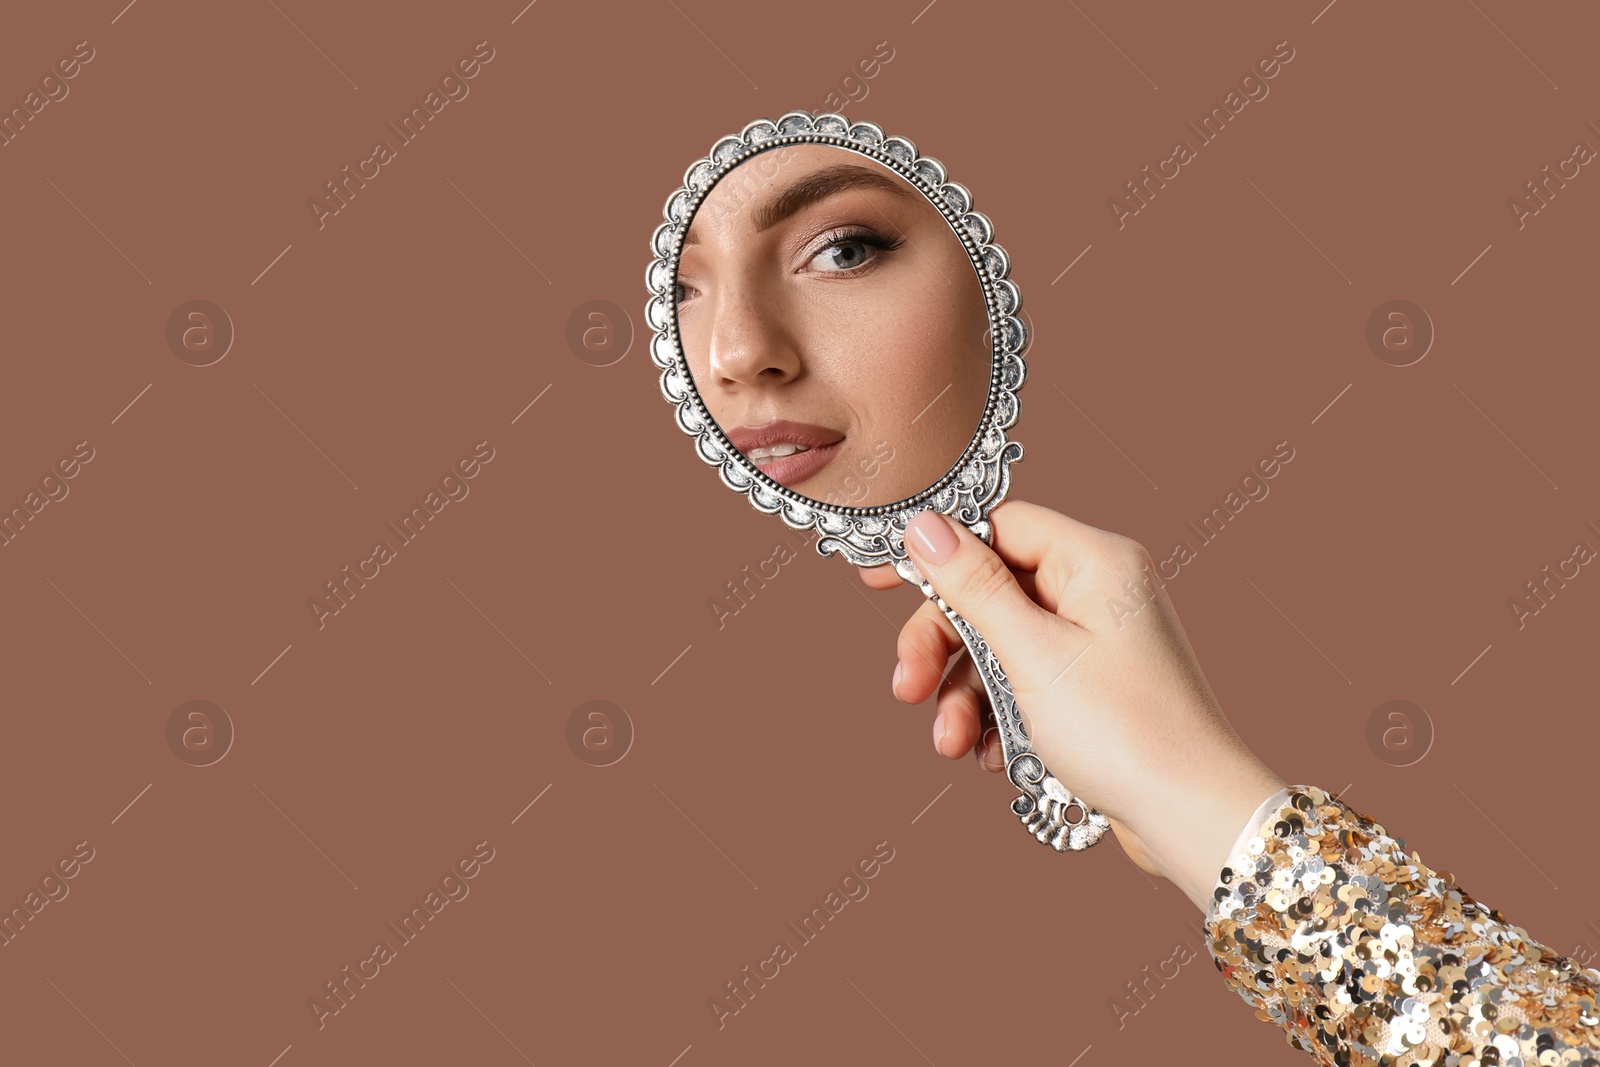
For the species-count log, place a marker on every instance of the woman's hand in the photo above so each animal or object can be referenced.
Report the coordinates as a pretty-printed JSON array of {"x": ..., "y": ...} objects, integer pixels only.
[{"x": 1108, "y": 686}]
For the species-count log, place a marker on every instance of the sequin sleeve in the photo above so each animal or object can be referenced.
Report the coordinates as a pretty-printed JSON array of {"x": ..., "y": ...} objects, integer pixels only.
[{"x": 1365, "y": 955}]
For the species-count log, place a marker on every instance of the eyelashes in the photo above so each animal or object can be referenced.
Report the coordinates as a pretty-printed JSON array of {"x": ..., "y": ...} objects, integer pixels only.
[
  {"x": 843, "y": 238},
  {"x": 824, "y": 258}
]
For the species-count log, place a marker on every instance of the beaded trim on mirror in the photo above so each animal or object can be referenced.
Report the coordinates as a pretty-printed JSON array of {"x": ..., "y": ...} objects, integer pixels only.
[{"x": 979, "y": 479}]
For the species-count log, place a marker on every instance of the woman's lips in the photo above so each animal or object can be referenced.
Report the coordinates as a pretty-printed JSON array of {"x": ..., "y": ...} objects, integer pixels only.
[
  {"x": 809, "y": 449},
  {"x": 791, "y": 471}
]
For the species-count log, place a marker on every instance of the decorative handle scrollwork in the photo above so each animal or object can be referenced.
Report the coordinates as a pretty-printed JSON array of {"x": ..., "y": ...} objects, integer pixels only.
[{"x": 1048, "y": 809}]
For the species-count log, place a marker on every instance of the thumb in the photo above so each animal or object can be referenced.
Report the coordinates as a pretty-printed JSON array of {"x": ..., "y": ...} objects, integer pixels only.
[{"x": 976, "y": 582}]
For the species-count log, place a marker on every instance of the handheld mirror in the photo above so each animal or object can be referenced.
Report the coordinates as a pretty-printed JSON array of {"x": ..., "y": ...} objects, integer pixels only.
[{"x": 835, "y": 328}]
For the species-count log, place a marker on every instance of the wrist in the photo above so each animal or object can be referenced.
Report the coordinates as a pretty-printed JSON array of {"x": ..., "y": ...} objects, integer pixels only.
[{"x": 1193, "y": 823}]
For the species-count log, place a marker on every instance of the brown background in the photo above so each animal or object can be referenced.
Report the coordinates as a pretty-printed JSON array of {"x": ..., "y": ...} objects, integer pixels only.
[{"x": 428, "y": 714}]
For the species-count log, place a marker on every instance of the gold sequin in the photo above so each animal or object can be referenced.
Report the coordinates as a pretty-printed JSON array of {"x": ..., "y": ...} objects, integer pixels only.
[{"x": 1364, "y": 955}]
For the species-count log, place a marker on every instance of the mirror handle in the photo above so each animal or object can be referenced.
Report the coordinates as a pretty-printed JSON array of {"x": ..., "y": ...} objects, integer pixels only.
[{"x": 1045, "y": 801}]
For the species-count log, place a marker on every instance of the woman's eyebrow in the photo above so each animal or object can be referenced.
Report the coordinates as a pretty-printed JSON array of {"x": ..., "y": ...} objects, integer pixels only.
[
  {"x": 825, "y": 183},
  {"x": 819, "y": 185}
]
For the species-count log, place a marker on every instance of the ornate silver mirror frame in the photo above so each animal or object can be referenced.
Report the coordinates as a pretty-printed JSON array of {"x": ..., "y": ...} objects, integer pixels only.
[{"x": 870, "y": 536}]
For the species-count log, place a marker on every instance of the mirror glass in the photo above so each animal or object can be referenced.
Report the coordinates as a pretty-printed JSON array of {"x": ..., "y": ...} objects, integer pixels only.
[{"x": 834, "y": 325}]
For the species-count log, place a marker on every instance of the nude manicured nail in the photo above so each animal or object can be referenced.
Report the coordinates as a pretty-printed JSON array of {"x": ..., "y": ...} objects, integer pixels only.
[
  {"x": 930, "y": 535},
  {"x": 894, "y": 686},
  {"x": 938, "y": 733}
]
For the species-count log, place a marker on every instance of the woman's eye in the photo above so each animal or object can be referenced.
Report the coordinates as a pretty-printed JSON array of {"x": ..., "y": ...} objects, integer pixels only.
[
  {"x": 842, "y": 255},
  {"x": 681, "y": 292}
]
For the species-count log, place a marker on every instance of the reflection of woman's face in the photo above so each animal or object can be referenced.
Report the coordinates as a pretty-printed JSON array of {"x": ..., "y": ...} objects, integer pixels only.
[{"x": 834, "y": 325}]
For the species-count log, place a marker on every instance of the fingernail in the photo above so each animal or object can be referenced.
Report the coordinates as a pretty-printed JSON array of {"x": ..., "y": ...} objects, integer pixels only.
[
  {"x": 930, "y": 535},
  {"x": 938, "y": 733},
  {"x": 992, "y": 759},
  {"x": 894, "y": 686}
]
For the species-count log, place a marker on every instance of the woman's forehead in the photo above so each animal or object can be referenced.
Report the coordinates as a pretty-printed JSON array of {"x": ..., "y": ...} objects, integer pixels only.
[{"x": 773, "y": 185}]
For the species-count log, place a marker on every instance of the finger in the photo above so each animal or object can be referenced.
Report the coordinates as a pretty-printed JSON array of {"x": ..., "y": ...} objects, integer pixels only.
[
  {"x": 880, "y": 577},
  {"x": 988, "y": 750},
  {"x": 926, "y": 643},
  {"x": 971, "y": 716},
  {"x": 965, "y": 722},
  {"x": 962, "y": 702},
  {"x": 1075, "y": 563},
  {"x": 977, "y": 583},
  {"x": 1026, "y": 535}
]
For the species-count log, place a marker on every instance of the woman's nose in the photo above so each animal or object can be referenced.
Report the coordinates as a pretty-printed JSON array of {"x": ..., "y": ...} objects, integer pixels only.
[{"x": 749, "y": 344}]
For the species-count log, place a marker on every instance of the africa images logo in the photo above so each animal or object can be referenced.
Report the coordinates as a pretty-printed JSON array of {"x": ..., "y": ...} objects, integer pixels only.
[
  {"x": 853, "y": 887},
  {"x": 454, "y": 89}
]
